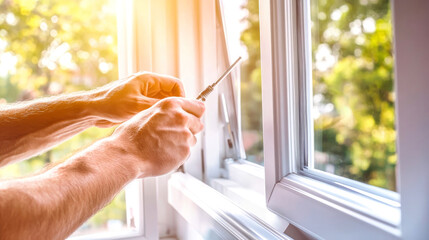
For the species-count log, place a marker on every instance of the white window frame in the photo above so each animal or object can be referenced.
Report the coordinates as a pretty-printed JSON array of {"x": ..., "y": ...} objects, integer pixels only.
[
  {"x": 313, "y": 202},
  {"x": 411, "y": 73}
]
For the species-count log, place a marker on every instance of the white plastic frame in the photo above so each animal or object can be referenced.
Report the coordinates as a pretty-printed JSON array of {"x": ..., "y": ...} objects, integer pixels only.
[
  {"x": 313, "y": 202},
  {"x": 411, "y": 36}
]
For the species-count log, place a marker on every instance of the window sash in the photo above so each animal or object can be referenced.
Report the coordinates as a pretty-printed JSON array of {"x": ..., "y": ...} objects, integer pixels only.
[
  {"x": 305, "y": 93},
  {"x": 284, "y": 42},
  {"x": 232, "y": 92},
  {"x": 305, "y": 105}
]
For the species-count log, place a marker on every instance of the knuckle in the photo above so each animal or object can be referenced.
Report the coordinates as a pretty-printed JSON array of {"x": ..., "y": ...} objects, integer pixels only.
[
  {"x": 200, "y": 105},
  {"x": 169, "y": 103},
  {"x": 158, "y": 117},
  {"x": 188, "y": 134},
  {"x": 180, "y": 117},
  {"x": 197, "y": 126}
]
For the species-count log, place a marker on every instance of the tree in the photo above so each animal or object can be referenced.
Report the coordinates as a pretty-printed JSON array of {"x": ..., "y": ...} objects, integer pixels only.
[
  {"x": 49, "y": 47},
  {"x": 352, "y": 88},
  {"x": 358, "y": 134},
  {"x": 251, "y": 96}
]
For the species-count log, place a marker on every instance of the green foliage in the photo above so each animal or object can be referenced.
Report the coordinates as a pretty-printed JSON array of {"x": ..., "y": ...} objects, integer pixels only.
[
  {"x": 359, "y": 134},
  {"x": 50, "y": 47},
  {"x": 251, "y": 96}
]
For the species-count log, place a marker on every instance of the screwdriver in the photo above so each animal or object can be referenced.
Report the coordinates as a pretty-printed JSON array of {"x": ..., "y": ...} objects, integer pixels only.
[{"x": 206, "y": 92}]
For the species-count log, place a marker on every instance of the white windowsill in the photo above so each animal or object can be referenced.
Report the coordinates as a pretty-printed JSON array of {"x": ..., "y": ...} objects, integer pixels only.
[
  {"x": 213, "y": 214},
  {"x": 126, "y": 235}
]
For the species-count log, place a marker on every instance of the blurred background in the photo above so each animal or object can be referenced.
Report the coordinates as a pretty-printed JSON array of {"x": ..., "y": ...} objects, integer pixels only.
[
  {"x": 353, "y": 98},
  {"x": 50, "y": 47},
  {"x": 352, "y": 77}
]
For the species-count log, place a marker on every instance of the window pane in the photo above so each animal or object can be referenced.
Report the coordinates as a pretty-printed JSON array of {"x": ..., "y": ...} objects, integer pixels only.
[
  {"x": 242, "y": 26},
  {"x": 49, "y": 47},
  {"x": 353, "y": 99}
]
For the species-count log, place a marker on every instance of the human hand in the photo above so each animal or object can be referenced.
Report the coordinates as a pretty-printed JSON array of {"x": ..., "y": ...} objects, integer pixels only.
[
  {"x": 120, "y": 100},
  {"x": 159, "y": 139}
]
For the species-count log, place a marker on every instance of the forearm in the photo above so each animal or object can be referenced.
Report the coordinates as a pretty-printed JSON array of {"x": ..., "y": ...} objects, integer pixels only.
[
  {"x": 52, "y": 205},
  {"x": 29, "y": 128}
]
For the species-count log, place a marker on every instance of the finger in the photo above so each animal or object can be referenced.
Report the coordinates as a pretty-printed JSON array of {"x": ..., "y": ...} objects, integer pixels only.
[
  {"x": 170, "y": 86},
  {"x": 195, "y": 125},
  {"x": 160, "y": 86},
  {"x": 178, "y": 89},
  {"x": 193, "y": 107},
  {"x": 192, "y": 141}
]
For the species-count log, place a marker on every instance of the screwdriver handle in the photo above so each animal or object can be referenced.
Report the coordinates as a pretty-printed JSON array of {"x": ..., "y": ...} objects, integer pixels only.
[{"x": 205, "y": 93}]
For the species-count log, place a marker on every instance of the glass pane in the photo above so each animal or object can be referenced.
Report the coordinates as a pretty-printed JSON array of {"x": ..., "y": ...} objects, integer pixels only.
[
  {"x": 49, "y": 47},
  {"x": 353, "y": 100},
  {"x": 242, "y": 26}
]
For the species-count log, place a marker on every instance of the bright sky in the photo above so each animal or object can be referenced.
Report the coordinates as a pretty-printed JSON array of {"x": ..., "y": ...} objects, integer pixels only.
[{"x": 233, "y": 16}]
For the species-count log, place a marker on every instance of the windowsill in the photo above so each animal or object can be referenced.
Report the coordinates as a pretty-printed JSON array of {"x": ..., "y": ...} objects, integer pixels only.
[
  {"x": 126, "y": 235},
  {"x": 248, "y": 175},
  {"x": 246, "y": 188},
  {"x": 210, "y": 212}
]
